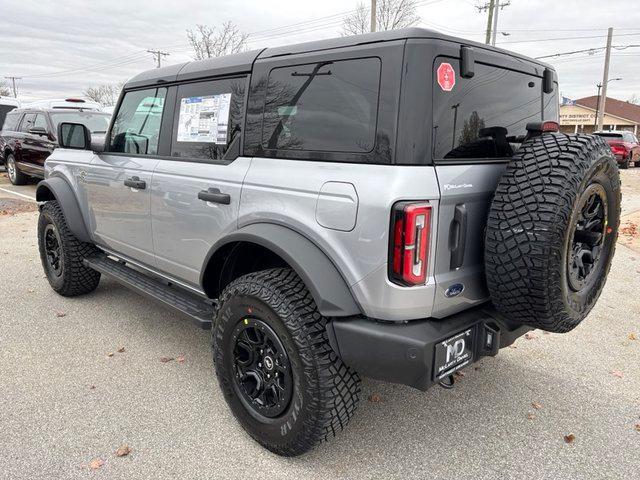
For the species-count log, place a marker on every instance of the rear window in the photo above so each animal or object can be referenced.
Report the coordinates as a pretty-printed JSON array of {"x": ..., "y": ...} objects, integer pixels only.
[
  {"x": 483, "y": 116},
  {"x": 326, "y": 107},
  {"x": 610, "y": 135},
  {"x": 11, "y": 122},
  {"x": 95, "y": 122},
  {"x": 4, "y": 109}
]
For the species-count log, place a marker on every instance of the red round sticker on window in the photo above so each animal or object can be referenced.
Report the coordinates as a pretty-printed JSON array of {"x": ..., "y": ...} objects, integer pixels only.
[{"x": 446, "y": 77}]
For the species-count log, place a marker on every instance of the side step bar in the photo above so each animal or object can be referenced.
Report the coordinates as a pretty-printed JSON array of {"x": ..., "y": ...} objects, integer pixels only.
[{"x": 198, "y": 309}]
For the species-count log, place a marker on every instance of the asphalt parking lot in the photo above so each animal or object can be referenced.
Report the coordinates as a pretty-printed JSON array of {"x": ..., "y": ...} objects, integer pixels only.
[{"x": 552, "y": 406}]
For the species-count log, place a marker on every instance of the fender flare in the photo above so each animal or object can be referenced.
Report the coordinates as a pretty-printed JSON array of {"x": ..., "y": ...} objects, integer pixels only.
[
  {"x": 325, "y": 283},
  {"x": 59, "y": 189}
]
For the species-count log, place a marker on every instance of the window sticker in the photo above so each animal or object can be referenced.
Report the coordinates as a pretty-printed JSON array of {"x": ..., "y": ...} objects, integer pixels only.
[{"x": 204, "y": 119}]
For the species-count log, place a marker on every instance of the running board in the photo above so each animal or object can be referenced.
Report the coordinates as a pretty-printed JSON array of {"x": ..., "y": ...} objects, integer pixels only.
[{"x": 199, "y": 310}]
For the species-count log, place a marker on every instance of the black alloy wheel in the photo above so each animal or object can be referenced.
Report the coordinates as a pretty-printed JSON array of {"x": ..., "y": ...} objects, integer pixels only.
[
  {"x": 263, "y": 376},
  {"x": 588, "y": 231},
  {"x": 53, "y": 250}
]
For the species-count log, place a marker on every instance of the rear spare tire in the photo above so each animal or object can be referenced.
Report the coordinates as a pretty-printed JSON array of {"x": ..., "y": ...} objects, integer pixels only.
[{"x": 552, "y": 230}]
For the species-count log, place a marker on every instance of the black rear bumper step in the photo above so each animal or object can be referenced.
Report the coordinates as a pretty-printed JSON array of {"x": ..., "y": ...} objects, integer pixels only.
[{"x": 199, "y": 310}]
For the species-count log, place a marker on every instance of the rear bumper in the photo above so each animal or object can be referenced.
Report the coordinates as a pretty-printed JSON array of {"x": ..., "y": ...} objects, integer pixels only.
[{"x": 405, "y": 352}]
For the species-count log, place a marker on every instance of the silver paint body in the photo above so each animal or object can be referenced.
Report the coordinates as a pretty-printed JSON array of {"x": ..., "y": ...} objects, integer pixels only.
[{"x": 343, "y": 208}]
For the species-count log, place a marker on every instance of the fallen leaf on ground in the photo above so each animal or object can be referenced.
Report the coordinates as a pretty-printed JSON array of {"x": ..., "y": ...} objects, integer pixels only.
[
  {"x": 374, "y": 398},
  {"x": 110, "y": 354},
  {"x": 121, "y": 350},
  {"x": 61, "y": 314},
  {"x": 92, "y": 387},
  {"x": 616, "y": 373},
  {"x": 531, "y": 416},
  {"x": 459, "y": 374},
  {"x": 632, "y": 336},
  {"x": 569, "y": 438},
  {"x": 166, "y": 359},
  {"x": 536, "y": 405},
  {"x": 530, "y": 336},
  {"x": 180, "y": 359},
  {"x": 637, "y": 427},
  {"x": 123, "y": 451},
  {"x": 96, "y": 463}
]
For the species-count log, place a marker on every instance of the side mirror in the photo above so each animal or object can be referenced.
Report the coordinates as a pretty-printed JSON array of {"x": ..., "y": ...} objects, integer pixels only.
[
  {"x": 98, "y": 141},
  {"x": 74, "y": 135},
  {"x": 38, "y": 131}
]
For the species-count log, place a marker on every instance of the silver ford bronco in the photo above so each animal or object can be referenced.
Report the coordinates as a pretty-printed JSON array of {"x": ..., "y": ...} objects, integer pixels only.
[{"x": 395, "y": 205}]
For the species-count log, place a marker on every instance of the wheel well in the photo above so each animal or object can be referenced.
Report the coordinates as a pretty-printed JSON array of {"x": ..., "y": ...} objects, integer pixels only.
[
  {"x": 235, "y": 259},
  {"x": 44, "y": 193}
]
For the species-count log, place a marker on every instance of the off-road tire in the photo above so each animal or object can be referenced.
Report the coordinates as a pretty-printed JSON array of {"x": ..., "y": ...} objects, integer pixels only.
[
  {"x": 75, "y": 278},
  {"x": 325, "y": 390},
  {"x": 17, "y": 178},
  {"x": 530, "y": 221}
]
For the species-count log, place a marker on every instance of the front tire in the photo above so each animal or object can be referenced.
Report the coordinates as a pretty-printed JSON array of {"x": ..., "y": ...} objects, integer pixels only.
[
  {"x": 16, "y": 177},
  {"x": 279, "y": 375},
  {"x": 62, "y": 254}
]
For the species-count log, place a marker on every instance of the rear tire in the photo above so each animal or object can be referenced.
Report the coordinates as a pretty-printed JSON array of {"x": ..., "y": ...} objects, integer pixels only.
[
  {"x": 16, "y": 177},
  {"x": 552, "y": 230},
  {"x": 62, "y": 254},
  {"x": 267, "y": 322}
]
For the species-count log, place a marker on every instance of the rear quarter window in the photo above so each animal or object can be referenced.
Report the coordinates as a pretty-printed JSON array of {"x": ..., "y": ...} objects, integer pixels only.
[
  {"x": 328, "y": 106},
  {"x": 11, "y": 122},
  {"x": 482, "y": 116}
]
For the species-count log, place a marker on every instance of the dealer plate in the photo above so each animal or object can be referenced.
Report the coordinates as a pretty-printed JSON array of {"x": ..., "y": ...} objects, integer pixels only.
[{"x": 454, "y": 353}]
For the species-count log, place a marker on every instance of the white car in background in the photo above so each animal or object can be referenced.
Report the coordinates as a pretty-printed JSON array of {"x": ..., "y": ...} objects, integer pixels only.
[{"x": 69, "y": 103}]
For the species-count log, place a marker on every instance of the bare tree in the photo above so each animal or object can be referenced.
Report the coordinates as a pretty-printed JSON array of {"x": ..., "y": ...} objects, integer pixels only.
[
  {"x": 634, "y": 99},
  {"x": 5, "y": 91},
  {"x": 210, "y": 42},
  {"x": 390, "y": 15},
  {"x": 106, "y": 95}
]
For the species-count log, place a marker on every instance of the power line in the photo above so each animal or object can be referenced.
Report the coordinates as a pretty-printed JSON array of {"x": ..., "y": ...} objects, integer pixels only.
[{"x": 591, "y": 51}]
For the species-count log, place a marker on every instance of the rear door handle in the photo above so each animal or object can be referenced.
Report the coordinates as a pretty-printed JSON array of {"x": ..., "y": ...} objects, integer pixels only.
[
  {"x": 458, "y": 236},
  {"x": 214, "y": 195},
  {"x": 135, "y": 182}
]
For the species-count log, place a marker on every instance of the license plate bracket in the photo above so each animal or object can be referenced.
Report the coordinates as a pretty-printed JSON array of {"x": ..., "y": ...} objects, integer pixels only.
[{"x": 453, "y": 353}]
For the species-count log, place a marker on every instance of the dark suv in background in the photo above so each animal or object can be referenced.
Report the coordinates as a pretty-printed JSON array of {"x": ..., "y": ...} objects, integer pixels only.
[{"x": 29, "y": 135}]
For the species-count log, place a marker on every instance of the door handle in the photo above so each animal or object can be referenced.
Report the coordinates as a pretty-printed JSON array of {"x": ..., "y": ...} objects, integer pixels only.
[
  {"x": 135, "y": 182},
  {"x": 214, "y": 195},
  {"x": 458, "y": 236}
]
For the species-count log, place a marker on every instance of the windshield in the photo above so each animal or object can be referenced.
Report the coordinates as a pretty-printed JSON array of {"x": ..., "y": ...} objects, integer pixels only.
[{"x": 95, "y": 122}]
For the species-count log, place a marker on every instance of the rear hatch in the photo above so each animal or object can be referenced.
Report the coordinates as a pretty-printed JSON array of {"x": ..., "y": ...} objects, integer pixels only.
[{"x": 478, "y": 124}]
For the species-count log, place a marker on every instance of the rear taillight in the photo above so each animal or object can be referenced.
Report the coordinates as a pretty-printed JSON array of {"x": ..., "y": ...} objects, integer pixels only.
[
  {"x": 618, "y": 149},
  {"x": 409, "y": 242}
]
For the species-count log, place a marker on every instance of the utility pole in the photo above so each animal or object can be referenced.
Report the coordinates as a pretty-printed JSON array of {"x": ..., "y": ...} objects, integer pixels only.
[
  {"x": 494, "y": 29},
  {"x": 488, "y": 7},
  {"x": 605, "y": 80},
  {"x": 492, "y": 19},
  {"x": 373, "y": 15},
  {"x": 13, "y": 83},
  {"x": 158, "y": 54}
]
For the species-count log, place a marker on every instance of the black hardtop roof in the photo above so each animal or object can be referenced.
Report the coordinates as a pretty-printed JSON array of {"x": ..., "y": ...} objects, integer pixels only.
[{"x": 242, "y": 62}]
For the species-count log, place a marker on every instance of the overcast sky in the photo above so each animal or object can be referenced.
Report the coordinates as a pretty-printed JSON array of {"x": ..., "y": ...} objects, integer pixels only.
[{"x": 62, "y": 47}]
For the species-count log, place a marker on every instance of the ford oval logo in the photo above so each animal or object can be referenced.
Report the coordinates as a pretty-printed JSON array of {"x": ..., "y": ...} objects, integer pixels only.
[{"x": 454, "y": 290}]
